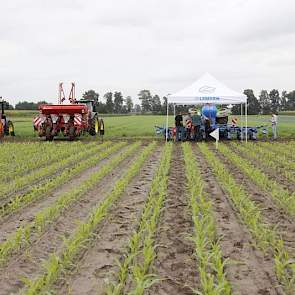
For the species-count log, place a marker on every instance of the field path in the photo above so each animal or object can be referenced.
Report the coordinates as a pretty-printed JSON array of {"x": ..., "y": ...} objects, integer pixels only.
[
  {"x": 272, "y": 214},
  {"x": 11, "y": 222},
  {"x": 30, "y": 263},
  {"x": 98, "y": 261},
  {"x": 248, "y": 272},
  {"x": 175, "y": 263}
]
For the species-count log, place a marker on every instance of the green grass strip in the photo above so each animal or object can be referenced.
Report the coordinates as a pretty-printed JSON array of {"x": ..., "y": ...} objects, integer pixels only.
[
  {"x": 283, "y": 198},
  {"x": 143, "y": 237},
  {"x": 24, "y": 235},
  {"x": 267, "y": 238},
  {"x": 56, "y": 265},
  {"x": 211, "y": 264},
  {"x": 38, "y": 191}
]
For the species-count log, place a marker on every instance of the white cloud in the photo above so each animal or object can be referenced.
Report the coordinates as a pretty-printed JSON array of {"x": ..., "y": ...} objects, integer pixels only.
[{"x": 134, "y": 44}]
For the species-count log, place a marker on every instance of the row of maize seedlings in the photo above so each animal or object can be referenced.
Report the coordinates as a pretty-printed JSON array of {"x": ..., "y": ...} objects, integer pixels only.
[
  {"x": 57, "y": 265},
  {"x": 140, "y": 254},
  {"x": 265, "y": 157},
  {"x": 283, "y": 198},
  {"x": 211, "y": 264},
  {"x": 36, "y": 158},
  {"x": 266, "y": 237},
  {"x": 283, "y": 152},
  {"x": 24, "y": 236},
  {"x": 20, "y": 182},
  {"x": 38, "y": 191}
]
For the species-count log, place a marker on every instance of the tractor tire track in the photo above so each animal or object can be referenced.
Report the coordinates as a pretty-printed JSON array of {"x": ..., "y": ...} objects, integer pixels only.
[
  {"x": 12, "y": 222},
  {"x": 175, "y": 264},
  {"x": 272, "y": 214},
  {"x": 29, "y": 264},
  {"x": 97, "y": 262},
  {"x": 248, "y": 271}
]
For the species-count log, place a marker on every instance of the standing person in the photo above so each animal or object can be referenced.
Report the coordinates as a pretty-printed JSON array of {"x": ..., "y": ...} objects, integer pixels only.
[
  {"x": 1, "y": 129},
  {"x": 179, "y": 126},
  {"x": 274, "y": 122},
  {"x": 196, "y": 122}
]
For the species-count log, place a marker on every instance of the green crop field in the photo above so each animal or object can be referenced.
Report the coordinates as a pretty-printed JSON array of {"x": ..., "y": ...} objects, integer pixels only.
[{"x": 139, "y": 126}]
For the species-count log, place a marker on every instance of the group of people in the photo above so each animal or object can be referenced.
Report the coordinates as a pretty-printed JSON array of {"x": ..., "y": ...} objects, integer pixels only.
[{"x": 187, "y": 126}]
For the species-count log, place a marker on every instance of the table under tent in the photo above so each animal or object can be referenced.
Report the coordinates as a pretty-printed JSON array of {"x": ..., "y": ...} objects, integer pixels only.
[{"x": 209, "y": 92}]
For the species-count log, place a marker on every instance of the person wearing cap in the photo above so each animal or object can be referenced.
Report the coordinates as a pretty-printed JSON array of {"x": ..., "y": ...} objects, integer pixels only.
[
  {"x": 274, "y": 122},
  {"x": 179, "y": 127}
]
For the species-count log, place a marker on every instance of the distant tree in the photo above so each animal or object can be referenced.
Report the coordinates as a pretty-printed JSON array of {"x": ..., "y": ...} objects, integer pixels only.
[
  {"x": 252, "y": 102},
  {"x": 275, "y": 99},
  {"x": 25, "y": 105},
  {"x": 283, "y": 101},
  {"x": 91, "y": 95},
  {"x": 129, "y": 104},
  {"x": 170, "y": 107},
  {"x": 145, "y": 97},
  {"x": 137, "y": 108},
  {"x": 7, "y": 105},
  {"x": 109, "y": 102},
  {"x": 265, "y": 102},
  {"x": 291, "y": 101},
  {"x": 118, "y": 102},
  {"x": 156, "y": 104}
]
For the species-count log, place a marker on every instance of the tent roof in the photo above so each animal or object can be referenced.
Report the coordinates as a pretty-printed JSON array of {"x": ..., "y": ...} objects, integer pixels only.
[{"x": 207, "y": 90}]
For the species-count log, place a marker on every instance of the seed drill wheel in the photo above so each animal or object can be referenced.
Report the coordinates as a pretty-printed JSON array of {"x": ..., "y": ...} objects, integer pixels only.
[
  {"x": 48, "y": 134},
  {"x": 72, "y": 133},
  {"x": 94, "y": 129}
]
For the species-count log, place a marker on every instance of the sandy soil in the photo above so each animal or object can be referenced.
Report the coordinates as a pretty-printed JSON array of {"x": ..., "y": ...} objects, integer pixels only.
[
  {"x": 30, "y": 263},
  {"x": 175, "y": 263},
  {"x": 99, "y": 261},
  {"x": 249, "y": 271}
]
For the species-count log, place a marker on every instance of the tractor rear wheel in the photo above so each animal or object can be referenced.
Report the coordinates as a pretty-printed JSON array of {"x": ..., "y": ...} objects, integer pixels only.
[
  {"x": 94, "y": 129},
  {"x": 48, "y": 134},
  {"x": 10, "y": 128}
]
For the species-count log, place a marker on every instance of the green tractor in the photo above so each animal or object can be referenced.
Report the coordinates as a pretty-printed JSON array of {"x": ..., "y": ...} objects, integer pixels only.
[{"x": 7, "y": 124}]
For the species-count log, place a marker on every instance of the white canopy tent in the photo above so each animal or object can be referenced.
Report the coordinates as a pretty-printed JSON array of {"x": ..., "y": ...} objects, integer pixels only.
[{"x": 207, "y": 90}]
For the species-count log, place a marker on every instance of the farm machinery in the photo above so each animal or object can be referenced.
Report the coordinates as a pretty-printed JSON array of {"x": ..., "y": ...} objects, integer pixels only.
[
  {"x": 6, "y": 124},
  {"x": 70, "y": 120}
]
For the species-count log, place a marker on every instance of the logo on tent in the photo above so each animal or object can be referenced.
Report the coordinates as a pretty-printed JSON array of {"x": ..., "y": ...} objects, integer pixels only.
[{"x": 207, "y": 89}]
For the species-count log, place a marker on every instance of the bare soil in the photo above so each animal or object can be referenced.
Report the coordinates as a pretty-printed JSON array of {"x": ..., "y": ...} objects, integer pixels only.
[{"x": 175, "y": 264}]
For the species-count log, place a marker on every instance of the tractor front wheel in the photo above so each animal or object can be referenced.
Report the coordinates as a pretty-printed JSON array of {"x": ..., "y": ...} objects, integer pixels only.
[
  {"x": 11, "y": 128},
  {"x": 94, "y": 129}
]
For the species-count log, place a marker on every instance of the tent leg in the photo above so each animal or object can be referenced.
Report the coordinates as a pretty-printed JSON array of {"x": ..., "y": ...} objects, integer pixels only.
[
  {"x": 167, "y": 121},
  {"x": 174, "y": 110},
  {"x": 246, "y": 123},
  {"x": 241, "y": 121}
]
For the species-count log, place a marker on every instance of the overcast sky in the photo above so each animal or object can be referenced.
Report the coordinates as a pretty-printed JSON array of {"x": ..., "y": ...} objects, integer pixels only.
[{"x": 161, "y": 45}]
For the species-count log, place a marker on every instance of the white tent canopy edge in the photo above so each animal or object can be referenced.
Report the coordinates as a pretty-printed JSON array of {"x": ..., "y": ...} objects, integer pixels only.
[{"x": 207, "y": 90}]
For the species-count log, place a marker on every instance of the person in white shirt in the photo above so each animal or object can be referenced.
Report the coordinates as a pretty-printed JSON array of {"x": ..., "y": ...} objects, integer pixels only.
[{"x": 274, "y": 123}]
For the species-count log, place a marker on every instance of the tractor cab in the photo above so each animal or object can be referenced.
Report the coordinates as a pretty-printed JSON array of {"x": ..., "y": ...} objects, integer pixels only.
[
  {"x": 8, "y": 126},
  {"x": 89, "y": 103}
]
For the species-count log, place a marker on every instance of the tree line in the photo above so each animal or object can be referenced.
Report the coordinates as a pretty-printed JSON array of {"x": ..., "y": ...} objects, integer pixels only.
[{"x": 115, "y": 103}]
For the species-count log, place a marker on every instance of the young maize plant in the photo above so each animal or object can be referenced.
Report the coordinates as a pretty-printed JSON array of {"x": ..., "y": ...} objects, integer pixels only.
[
  {"x": 142, "y": 240},
  {"x": 265, "y": 157},
  {"x": 57, "y": 265},
  {"x": 285, "y": 151},
  {"x": 267, "y": 238},
  {"x": 38, "y": 191},
  {"x": 284, "y": 198},
  {"x": 207, "y": 249},
  {"x": 25, "y": 234},
  {"x": 42, "y": 174},
  {"x": 36, "y": 158}
]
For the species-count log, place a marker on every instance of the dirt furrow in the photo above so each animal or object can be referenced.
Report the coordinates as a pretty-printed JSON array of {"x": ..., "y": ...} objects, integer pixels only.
[
  {"x": 175, "y": 264},
  {"x": 10, "y": 223},
  {"x": 249, "y": 272},
  {"x": 272, "y": 214},
  {"x": 30, "y": 263},
  {"x": 93, "y": 271}
]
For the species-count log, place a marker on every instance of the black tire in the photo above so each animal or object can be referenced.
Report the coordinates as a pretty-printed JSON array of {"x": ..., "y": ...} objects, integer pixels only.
[
  {"x": 72, "y": 133},
  {"x": 94, "y": 128},
  {"x": 48, "y": 134},
  {"x": 101, "y": 127}
]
